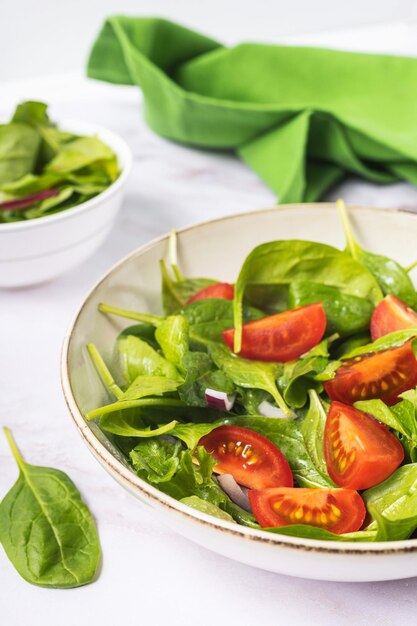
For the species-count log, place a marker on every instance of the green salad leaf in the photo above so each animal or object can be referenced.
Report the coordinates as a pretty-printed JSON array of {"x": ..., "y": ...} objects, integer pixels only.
[{"x": 46, "y": 530}]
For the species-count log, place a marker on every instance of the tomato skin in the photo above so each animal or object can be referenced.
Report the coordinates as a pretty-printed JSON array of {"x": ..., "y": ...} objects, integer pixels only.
[
  {"x": 281, "y": 337},
  {"x": 390, "y": 315},
  {"x": 223, "y": 291},
  {"x": 360, "y": 452},
  {"x": 337, "y": 510},
  {"x": 382, "y": 375},
  {"x": 251, "y": 458}
]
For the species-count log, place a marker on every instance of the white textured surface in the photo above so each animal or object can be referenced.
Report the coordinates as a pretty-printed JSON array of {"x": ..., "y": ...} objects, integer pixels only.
[{"x": 149, "y": 574}]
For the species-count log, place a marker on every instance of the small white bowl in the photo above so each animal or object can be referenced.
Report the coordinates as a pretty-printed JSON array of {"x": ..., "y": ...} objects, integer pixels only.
[
  {"x": 218, "y": 248},
  {"x": 34, "y": 251}
]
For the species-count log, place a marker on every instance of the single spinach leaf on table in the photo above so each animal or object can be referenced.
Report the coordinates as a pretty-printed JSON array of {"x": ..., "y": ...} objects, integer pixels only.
[
  {"x": 46, "y": 530},
  {"x": 283, "y": 262},
  {"x": 393, "y": 505},
  {"x": 249, "y": 374},
  {"x": 391, "y": 276},
  {"x": 346, "y": 314}
]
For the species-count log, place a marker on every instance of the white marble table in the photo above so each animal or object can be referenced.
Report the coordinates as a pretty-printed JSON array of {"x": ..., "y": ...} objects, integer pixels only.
[{"x": 149, "y": 574}]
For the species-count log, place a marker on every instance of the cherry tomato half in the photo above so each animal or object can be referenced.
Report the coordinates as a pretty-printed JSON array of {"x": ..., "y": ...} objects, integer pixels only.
[
  {"x": 391, "y": 314},
  {"x": 383, "y": 375},
  {"x": 360, "y": 451},
  {"x": 281, "y": 337},
  {"x": 251, "y": 458},
  {"x": 337, "y": 510},
  {"x": 224, "y": 291}
]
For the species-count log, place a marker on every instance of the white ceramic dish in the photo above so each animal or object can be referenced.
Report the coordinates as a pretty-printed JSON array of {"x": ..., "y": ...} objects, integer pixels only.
[
  {"x": 38, "y": 250},
  {"x": 217, "y": 249}
]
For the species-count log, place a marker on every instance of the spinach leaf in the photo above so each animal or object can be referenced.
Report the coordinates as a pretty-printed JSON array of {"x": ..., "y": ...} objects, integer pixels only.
[
  {"x": 312, "y": 429},
  {"x": 392, "y": 340},
  {"x": 176, "y": 293},
  {"x": 284, "y": 262},
  {"x": 46, "y": 529},
  {"x": 146, "y": 332},
  {"x": 298, "y": 377},
  {"x": 393, "y": 504},
  {"x": 136, "y": 357},
  {"x": 249, "y": 374},
  {"x": 19, "y": 146},
  {"x": 191, "y": 434},
  {"x": 345, "y": 314},
  {"x": 172, "y": 336},
  {"x": 287, "y": 436},
  {"x": 313, "y": 532},
  {"x": 250, "y": 399},
  {"x": 124, "y": 425},
  {"x": 206, "y": 507},
  {"x": 391, "y": 277},
  {"x": 144, "y": 386}
]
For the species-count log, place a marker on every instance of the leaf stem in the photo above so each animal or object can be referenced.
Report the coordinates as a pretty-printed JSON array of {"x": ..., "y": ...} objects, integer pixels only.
[
  {"x": 103, "y": 371},
  {"x": 173, "y": 257},
  {"x": 411, "y": 266},
  {"x": 352, "y": 246},
  {"x": 281, "y": 403},
  {"x": 131, "y": 404},
  {"x": 13, "y": 447},
  {"x": 144, "y": 318},
  {"x": 167, "y": 281}
]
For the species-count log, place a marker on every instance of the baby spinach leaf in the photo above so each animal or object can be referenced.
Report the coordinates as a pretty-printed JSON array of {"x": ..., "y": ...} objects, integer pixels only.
[
  {"x": 191, "y": 434},
  {"x": 198, "y": 367},
  {"x": 314, "y": 532},
  {"x": 46, "y": 529},
  {"x": 146, "y": 332},
  {"x": 298, "y": 377},
  {"x": 123, "y": 424},
  {"x": 19, "y": 146},
  {"x": 172, "y": 336},
  {"x": 250, "y": 399},
  {"x": 144, "y": 386},
  {"x": 345, "y": 314},
  {"x": 249, "y": 374},
  {"x": 391, "y": 277},
  {"x": 287, "y": 435},
  {"x": 206, "y": 507},
  {"x": 393, "y": 504},
  {"x": 175, "y": 293},
  {"x": 136, "y": 357},
  {"x": 284, "y": 262},
  {"x": 80, "y": 153},
  {"x": 312, "y": 429},
  {"x": 397, "y": 338}
]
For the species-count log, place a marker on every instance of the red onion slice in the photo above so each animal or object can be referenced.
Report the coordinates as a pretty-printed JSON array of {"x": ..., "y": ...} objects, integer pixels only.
[
  {"x": 234, "y": 491},
  {"x": 26, "y": 201},
  {"x": 219, "y": 399},
  {"x": 270, "y": 410}
]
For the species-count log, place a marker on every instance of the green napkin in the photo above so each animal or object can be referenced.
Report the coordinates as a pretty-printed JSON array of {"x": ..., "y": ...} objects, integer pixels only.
[{"x": 302, "y": 118}]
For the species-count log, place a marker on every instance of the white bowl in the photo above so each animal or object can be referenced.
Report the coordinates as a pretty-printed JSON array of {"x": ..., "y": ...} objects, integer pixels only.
[
  {"x": 217, "y": 249},
  {"x": 37, "y": 250}
]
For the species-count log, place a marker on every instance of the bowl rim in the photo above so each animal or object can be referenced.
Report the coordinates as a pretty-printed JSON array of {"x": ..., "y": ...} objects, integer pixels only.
[
  {"x": 125, "y": 161},
  {"x": 155, "y": 497}
]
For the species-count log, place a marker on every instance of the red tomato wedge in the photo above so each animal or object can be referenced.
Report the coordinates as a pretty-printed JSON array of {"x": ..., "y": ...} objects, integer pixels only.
[
  {"x": 337, "y": 510},
  {"x": 383, "y": 375},
  {"x": 251, "y": 458},
  {"x": 360, "y": 451},
  {"x": 390, "y": 315},
  {"x": 224, "y": 291},
  {"x": 281, "y": 337}
]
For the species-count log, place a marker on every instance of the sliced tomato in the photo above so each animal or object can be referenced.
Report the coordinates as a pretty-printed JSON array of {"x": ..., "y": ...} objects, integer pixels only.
[
  {"x": 224, "y": 291},
  {"x": 281, "y": 337},
  {"x": 360, "y": 451},
  {"x": 390, "y": 315},
  {"x": 337, "y": 510},
  {"x": 383, "y": 375},
  {"x": 252, "y": 459}
]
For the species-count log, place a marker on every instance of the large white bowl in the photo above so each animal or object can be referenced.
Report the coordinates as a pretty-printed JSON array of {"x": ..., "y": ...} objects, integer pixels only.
[
  {"x": 37, "y": 250},
  {"x": 217, "y": 249}
]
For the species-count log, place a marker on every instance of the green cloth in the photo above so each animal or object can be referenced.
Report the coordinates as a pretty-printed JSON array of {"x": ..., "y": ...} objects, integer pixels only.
[{"x": 302, "y": 118}]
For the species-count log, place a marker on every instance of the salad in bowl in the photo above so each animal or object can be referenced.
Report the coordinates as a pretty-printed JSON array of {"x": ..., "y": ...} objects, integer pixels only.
[{"x": 284, "y": 402}]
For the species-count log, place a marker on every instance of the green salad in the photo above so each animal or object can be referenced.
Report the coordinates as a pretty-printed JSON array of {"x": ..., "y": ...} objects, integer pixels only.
[
  {"x": 45, "y": 169},
  {"x": 286, "y": 401}
]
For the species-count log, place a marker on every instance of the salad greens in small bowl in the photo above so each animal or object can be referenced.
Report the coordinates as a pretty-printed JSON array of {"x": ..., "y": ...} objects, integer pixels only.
[
  {"x": 61, "y": 185},
  {"x": 259, "y": 391}
]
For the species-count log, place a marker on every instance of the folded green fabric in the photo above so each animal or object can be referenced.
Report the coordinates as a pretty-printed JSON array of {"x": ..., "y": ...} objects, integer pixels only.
[{"x": 302, "y": 118}]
